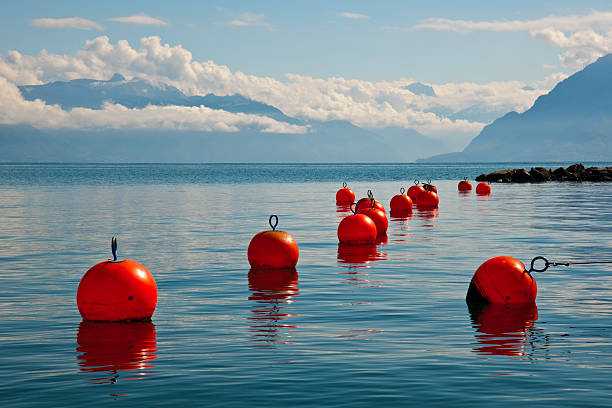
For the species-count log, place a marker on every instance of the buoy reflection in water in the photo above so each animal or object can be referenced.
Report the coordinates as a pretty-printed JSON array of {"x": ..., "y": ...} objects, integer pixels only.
[
  {"x": 273, "y": 291},
  {"x": 357, "y": 257},
  {"x": 503, "y": 330},
  {"x": 112, "y": 348}
]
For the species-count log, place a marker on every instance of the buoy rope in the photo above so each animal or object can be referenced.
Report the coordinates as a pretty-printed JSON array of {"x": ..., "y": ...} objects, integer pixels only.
[
  {"x": 548, "y": 264},
  {"x": 114, "y": 248},
  {"x": 275, "y": 222}
]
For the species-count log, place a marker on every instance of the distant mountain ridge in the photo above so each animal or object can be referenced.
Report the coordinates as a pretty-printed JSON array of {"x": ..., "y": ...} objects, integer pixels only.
[
  {"x": 573, "y": 122},
  {"x": 139, "y": 93},
  {"x": 331, "y": 141}
]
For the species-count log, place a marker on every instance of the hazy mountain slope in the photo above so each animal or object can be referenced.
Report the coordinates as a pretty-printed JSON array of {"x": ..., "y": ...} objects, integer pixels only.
[{"x": 573, "y": 122}]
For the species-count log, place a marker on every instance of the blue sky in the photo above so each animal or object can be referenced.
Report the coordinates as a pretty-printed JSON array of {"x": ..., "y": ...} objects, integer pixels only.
[
  {"x": 312, "y": 38},
  {"x": 316, "y": 60}
]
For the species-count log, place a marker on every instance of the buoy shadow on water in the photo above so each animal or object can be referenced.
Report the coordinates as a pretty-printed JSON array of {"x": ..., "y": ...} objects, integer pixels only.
[
  {"x": 273, "y": 291},
  {"x": 504, "y": 330},
  {"x": 114, "y": 348}
]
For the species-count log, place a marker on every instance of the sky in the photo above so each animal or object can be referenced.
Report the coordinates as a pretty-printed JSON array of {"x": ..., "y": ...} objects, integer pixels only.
[{"x": 319, "y": 60}]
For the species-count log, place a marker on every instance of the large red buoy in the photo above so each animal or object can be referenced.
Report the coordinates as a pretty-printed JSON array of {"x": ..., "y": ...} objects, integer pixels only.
[
  {"x": 117, "y": 290},
  {"x": 428, "y": 198},
  {"x": 414, "y": 191},
  {"x": 483, "y": 189},
  {"x": 464, "y": 185},
  {"x": 502, "y": 280},
  {"x": 345, "y": 195},
  {"x": 357, "y": 228},
  {"x": 273, "y": 249},
  {"x": 401, "y": 202}
]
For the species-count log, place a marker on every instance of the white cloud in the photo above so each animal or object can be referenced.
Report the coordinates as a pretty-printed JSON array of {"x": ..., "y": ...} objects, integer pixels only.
[
  {"x": 140, "y": 19},
  {"x": 15, "y": 110},
  {"x": 71, "y": 22},
  {"x": 249, "y": 20},
  {"x": 583, "y": 37},
  {"x": 354, "y": 16},
  {"x": 364, "y": 103}
]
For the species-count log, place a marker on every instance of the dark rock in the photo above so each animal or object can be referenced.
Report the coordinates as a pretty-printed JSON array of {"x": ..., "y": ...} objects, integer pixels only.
[
  {"x": 539, "y": 174},
  {"x": 520, "y": 176},
  {"x": 561, "y": 174},
  {"x": 575, "y": 172}
]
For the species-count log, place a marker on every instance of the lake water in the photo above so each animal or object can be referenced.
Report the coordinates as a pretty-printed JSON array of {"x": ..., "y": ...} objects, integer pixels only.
[{"x": 386, "y": 325}]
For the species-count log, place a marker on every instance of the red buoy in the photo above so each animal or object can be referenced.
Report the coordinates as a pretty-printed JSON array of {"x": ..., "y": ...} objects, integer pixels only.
[
  {"x": 357, "y": 228},
  {"x": 117, "y": 290},
  {"x": 401, "y": 202},
  {"x": 369, "y": 202},
  {"x": 428, "y": 198},
  {"x": 483, "y": 189},
  {"x": 345, "y": 195},
  {"x": 502, "y": 280},
  {"x": 464, "y": 185},
  {"x": 379, "y": 218},
  {"x": 273, "y": 249},
  {"x": 414, "y": 191},
  {"x": 430, "y": 187}
]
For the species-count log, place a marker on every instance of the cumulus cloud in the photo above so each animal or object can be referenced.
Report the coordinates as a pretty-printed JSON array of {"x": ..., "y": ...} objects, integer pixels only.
[
  {"x": 15, "y": 110},
  {"x": 364, "y": 103},
  {"x": 583, "y": 37},
  {"x": 140, "y": 19},
  {"x": 249, "y": 20},
  {"x": 354, "y": 16},
  {"x": 71, "y": 22}
]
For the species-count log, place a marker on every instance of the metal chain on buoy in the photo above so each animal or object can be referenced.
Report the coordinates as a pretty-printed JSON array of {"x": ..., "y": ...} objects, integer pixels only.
[{"x": 548, "y": 264}]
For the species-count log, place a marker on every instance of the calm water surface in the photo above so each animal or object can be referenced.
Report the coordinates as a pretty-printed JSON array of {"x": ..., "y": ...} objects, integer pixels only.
[{"x": 352, "y": 327}]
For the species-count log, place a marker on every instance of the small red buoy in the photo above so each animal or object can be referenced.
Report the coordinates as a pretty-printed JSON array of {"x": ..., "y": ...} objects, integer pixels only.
[
  {"x": 502, "y": 280},
  {"x": 428, "y": 198},
  {"x": 464, "y": 185},
  {"x": 414, "y": 191},
  {"x": 117, "y": 290},
  {"x": 357, "y": 228},
  {"x": 401, "y": 202},
  {"x": 379, "y": 218},
  {"x": 366, "y": 202},
  {"x": 273, "y": 249},
  {"x": 429, "y": 186},
  {"x": 345, "y": 195},
  {"x": 483, "y": 189}
]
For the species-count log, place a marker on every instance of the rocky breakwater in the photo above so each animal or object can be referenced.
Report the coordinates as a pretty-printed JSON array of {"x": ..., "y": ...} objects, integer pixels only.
[{"x": 575, "y": 172}]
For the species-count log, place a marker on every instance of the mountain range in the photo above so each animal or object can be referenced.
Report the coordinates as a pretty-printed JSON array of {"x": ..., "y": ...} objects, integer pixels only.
[
  {"x": 330, "y": 141},
  {"x": 573, "y": 122}
]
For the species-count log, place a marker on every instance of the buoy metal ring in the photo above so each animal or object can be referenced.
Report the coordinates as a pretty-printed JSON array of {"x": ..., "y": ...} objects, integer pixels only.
[
  {"x": 356, "y": 207},
  {"x": 370, "y": 194},
  {"x": 275, "y": 222},
  {"x": 114, "y": 250},
  {"x": 402, "y": 190},
  {"x": 538, "y": 258},
  {"x": 344, "y": 184},
  {"x": 416, "y": 182}
]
